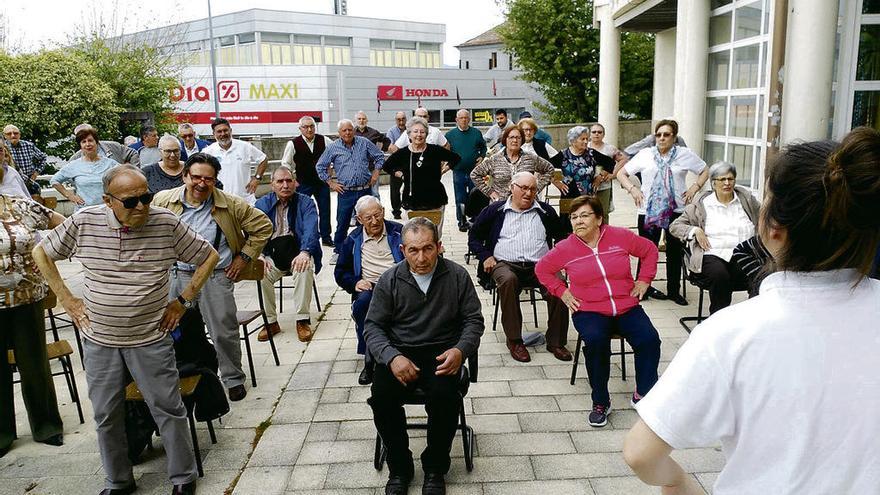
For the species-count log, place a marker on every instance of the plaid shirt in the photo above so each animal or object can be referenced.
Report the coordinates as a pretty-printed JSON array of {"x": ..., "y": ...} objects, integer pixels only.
[{"x": 28, "y": 158}]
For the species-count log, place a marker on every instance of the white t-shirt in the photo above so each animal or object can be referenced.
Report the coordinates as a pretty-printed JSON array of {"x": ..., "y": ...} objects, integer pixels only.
[
  {"x": 685, "y": 161},
  {"x": 434, "y": 137},
  {"x": 235, "y": 166},
  {"x": 609, "y": 151},
  {"x": 788, "y": 382}
]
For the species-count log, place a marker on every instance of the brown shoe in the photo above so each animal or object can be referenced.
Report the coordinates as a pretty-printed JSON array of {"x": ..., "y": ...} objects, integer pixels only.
[
  {"x": 264, "y": 335},
  {"x": 519, "y": 352},
  {"x": 304, "y": 331},
  {"x": 560, "y": 353}
]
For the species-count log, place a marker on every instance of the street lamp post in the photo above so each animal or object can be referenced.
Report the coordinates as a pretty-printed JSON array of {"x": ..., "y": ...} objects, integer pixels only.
[{"x": 213, "y": 62}]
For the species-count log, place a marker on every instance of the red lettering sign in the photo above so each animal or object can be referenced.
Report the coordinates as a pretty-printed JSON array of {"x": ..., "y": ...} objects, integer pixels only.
[
  {"x": 426, "y": 92},
  {"x": 389, "y": 92},
  {"x": 228, "y": 91},
  {"x": 189, "y": 93}
]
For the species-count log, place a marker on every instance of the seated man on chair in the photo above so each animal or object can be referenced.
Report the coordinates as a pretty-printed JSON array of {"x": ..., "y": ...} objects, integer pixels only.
[
  {"x": 372, "y": 248},
  {"x": 424, "y": 321},
  {"x": 509, "y": 237},
  {"x": 294, "y": 248}
]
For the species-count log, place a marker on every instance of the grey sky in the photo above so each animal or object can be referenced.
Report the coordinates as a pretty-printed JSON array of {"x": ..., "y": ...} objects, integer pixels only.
[{"x": 34, "y": 23}]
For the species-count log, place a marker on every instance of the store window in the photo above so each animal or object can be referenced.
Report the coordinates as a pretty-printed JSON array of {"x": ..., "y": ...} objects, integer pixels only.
[
  {"x": 429, "y": 55},
  {"x": 381, "y": 54},
  {"x": 307, "y": 50},
  {"x": 405, "y": 54}
]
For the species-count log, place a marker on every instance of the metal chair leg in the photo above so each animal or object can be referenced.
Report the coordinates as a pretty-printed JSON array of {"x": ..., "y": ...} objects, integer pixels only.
[
  {"x": 622, "y": 360},
  {"x": 317, "y": 297},
  {"x": 250, "y": 356},
  {"x": 195, "y": 440},
  {"x": 574, "y": 365},
  {"x": 683, "y": 321},
  {"x": 211, "y": 431},
  {"x": 67, "y": 366},
  {"x": 534, "y": 305}
]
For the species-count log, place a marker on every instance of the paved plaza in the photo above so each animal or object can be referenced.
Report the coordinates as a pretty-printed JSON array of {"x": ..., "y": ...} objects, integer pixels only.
[{"x": 306, "y": 427}]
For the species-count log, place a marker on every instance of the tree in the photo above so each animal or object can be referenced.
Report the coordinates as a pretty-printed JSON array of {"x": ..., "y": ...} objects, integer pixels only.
[
  {"x": 48, "y": 93},
  {"x": 557, "y": 48}
]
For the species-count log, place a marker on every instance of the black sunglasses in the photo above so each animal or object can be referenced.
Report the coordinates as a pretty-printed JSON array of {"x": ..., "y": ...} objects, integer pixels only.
[{"x": 133, "y": 201}]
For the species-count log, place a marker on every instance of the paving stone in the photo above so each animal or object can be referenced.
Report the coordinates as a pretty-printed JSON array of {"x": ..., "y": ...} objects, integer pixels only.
[
  {"x": 321, "y": 350},
  {"x": 525, "y": 444},
  {"x": 296, "y": 406},
  {"x": 509, "y": 373},
  {"x": 62, "y": 465},
  {"x": 335, "y": 491},
  {"x": 489, "y": 389},
  {"x": 598, "y": 440},
  {"x": 309, "y": 375},
  {"x": 623, "y": 419},
  {"x": 568, "y": 487},
  {"x": 336, "y": 452},
  {"x": 343, "y": 380},
  {"x": 546, "y": 387},
  {"x": 343, "y": 412},
  {"x": 322, "y": 432},
  {"x": 308, "y": 477},
  {"x": 355, "y": 475},
  {"x": 568, "y": 466},
  {"x": 707, "y": 480},
  {"x": 494, "y": 423},
  {"x": 345, "y": 366},
  {"x": 514, "y": 404},
  {"x": 358, "y": 430},
  {"x": 360, "y": 393},
  {"x": 279, "y": 445},
  {"x": 223, "y": 459},
  {"x": 629, "y": 485},
  {"x": 491, "y": 469},
  {"x": 554, "y": 421},
  {"x": 263, "y": 481},
  {"x": 700, "y": 460},
  {"x": 334, "y": 395}
]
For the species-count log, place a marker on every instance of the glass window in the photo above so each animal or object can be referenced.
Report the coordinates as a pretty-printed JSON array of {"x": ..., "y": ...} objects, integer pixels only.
[
  {"x": 429, "y": 47},
  {"x": 275, "y": 53},
  {"x": 405, "y": 45},
  {"x": 337, "y": 41},
  {"x": 719, "y": 70},
  {"x": 761, "y": 117},
  {"x": 434, "y": 117},
  {"x": 866, "y": 109},
  {"x": 246, "y": 38},
  {"x": 307, "y": 55},
  {"x": 381, "y": 44},
  {"x": 871, "y": 6},
  {"x": 742, "y": 156},
  {"x": 226, "y": 55},
  {"x": 743, "y": 113},
  {"x": 227, "y": 40},
  {"x": 713, "y": 151},
  {"x": 247, "y": 54},
  {"x": 745, "y": 67},
  {"x": 720, "y": 3},
  {"x": 748, "y": 21},
  {"x": 719, "y": 28},
  {"x": 306, "y": 39},
  {"x": 764, "y": 57},
  {"x": 868, "y": 65},
  {"x": 449, "y": 117},
  {"x": 275, "y": 37},
  {"x": 716, "y": 115}
]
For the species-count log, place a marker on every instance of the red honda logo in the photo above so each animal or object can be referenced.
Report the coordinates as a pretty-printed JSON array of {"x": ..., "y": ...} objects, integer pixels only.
[{"x": 390, "y": 92}]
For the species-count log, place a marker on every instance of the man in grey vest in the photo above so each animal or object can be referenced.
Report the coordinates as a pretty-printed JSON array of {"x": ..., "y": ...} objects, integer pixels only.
[{"x": 301, "y": 154}]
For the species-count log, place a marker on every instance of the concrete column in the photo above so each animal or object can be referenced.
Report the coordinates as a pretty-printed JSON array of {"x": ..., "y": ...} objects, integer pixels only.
[
  {"x": 692, "y": 58},
  {"x": 664, "y": 75},
  {"x": 609, "y": 75},
  {"x": 809, "y": 61}
]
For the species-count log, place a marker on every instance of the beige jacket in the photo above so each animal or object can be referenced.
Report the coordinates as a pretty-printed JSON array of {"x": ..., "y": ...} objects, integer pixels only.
[
  {"x": 695, "y": 216},
  {"x": 501, "y": 172},
  {"x": 246, "y": 228}
]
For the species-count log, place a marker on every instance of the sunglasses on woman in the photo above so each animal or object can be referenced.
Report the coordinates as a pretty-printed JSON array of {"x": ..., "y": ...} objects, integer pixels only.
[{"x": 132, "y": 202}]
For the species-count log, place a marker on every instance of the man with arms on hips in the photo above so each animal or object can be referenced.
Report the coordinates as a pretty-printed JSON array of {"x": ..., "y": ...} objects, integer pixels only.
[
  {"x": 293, "y": 249},
  {"x": 424, "y": 322},
  {"x": 29, "y": 160},
  {"x": 509, "y": 237},
  {"x": 470, "y": 146},
  {"x": 126, "y": 248},
  {"x": 351, "y": 157},
  {"x": 370, "y": 249},
  {"x": 189, "y": 143},
  {"x": 237, "y": 157},
  {"x": 238, "y": 232},
  {"x": 301, "y": 154},
  {"x": 501, "y": 123}
]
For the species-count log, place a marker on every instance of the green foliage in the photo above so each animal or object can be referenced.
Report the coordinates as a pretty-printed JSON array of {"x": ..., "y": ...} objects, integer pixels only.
[
  {"x": 557, "y": 48},
  {"x": 49, "y": 93}
]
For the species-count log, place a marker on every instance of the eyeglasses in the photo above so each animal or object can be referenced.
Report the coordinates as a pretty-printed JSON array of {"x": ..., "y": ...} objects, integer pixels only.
[
  {"x": 582, "y": 216},
  {"x": 132, "y": 202},
  {"x": 310, "y": 126},
  {"x": 171, "y": 152},
  {"x": 514, "y": 136},
  {"x": 201, "y": 178},
  {"x": 597, "y": 132},
  {"x": 372, "y": 218},
  {"x": 187, "y": 136},
  {"x": 726, "y": 180},
  {"x": 663, "y": 134},
  {"x": 531, "y": 189}
]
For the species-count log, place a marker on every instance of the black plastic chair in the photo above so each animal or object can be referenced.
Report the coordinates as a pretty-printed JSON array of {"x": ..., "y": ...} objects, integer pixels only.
[{"x": 622, "y": 353}]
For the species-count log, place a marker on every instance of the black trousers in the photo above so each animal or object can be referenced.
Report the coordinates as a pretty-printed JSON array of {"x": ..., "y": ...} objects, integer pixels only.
[
  {"x": 674, "y": 251},
  {"x": 395, "y": 185},
  {"x": 442, "y": 404},
  {"x": 722, "y": 278}
]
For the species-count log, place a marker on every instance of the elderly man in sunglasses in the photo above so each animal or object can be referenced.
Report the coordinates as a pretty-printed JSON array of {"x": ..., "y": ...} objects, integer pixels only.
[
  {"x": 238, "y": 232},
  {"x": 126, "y": 248}
]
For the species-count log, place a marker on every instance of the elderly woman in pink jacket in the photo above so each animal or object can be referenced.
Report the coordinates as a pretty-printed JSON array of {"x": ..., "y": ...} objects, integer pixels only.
[{"x": 604, "y": 298}]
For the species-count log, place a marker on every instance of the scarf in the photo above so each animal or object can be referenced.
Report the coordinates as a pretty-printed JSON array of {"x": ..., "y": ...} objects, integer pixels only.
[{"x": 661, "y": 200}]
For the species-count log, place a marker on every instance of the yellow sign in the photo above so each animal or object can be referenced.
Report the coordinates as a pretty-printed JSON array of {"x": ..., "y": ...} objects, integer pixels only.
[
  {"x": 483, "y": 117},
  {"x": 274, "y": 91}
]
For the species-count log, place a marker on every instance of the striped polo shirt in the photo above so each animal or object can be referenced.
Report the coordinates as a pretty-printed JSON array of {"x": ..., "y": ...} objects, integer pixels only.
[{"x": 125, "y": 270}]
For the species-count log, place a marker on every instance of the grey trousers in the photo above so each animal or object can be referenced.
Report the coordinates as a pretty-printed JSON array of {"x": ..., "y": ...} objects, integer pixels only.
[
  {"x": 217, "y": 303},
  {"x": 154, "y": 369}
]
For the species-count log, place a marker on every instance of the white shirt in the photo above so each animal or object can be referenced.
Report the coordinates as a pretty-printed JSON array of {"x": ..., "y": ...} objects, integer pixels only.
[
  {"x": 609, "y": 151},
  {"x": 530, "y": 148},
  {"x": 290, "y": 150},
  {"x": 788, "y": 382},
  {"x": 522, "y": 237},
  {"x": 236, "y": 163},
  {"x": 726, "y": 226},
  {"x": 685, "y": 161},
  {"x": 434, "y": 137}
]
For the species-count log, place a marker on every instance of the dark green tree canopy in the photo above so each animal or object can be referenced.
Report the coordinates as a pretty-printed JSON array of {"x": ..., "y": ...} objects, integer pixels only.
[{"x": 557, "y": 48}]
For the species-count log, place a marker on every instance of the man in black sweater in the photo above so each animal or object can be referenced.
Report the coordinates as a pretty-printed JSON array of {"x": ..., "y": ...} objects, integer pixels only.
[{"x": 424, "y": 321}]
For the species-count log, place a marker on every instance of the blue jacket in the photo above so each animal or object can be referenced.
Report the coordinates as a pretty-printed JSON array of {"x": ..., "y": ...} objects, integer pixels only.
[
  {"x": 305, "y": 223},
  {"x": 484, "y": 233},
  {"x": 348, "y": 266},
  {"x": 200, "y": 144}
]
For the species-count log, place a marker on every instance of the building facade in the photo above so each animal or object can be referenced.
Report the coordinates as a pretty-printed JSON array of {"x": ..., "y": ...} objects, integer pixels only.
[
  {"x": 745, "y": 77},
  {"x": 274, "y": 67}
]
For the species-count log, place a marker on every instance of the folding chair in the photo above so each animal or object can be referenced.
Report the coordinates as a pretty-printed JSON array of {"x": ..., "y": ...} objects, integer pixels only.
[{"x": 247, "y": 316}]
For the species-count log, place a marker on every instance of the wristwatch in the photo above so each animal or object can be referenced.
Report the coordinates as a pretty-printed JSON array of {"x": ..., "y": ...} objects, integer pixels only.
[
  {"x": 246, "y": 258},
  {"x": 258, "y": 176},
  {"x": 186, "y": 304}
]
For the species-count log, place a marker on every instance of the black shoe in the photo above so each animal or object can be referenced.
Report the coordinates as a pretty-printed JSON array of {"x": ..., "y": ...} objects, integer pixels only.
[
  {"x": 119, "y": 491},
  {"x": 237, "y": 393},
  {"x": 655, "y": 294},
  {"x": 328, "y": 242},
  {"x": 599, "y": 415},
  {"x": 396, "y": 215},
  {"x": 366, "y": 376},
  {"x": 463, "y": 227},
  {"x": 54, "y": 440},
  {"x": 397, "y": 485},
  {"x": 434, "y": 484},
  {"x": 185, "y": 489},
  {"x": 678, "y": 299},
  {"x": 4, "y": 451}
]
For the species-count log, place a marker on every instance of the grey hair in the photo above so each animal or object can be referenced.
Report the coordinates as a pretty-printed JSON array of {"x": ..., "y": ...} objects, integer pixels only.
[
  {"x": 303, "y": 120},
  {"x": 366, "y": 201},
  {"x": 343, "y": 122},
  {"x": 360, "y": 112},
  {"x": 465, "y": 110},
  {"x": 524, "y": 173},
  {"x": 168, "y": 138},
  {"x": 420, "y": 223},
  {"x": 186, "y": 126},
  {"x": 416, "y": 121},
  {"x": 720, "y": 168},
  {"x": 111, "y": 174},
  {"x": 576, "y": 132},
  {"x": 284, "y": 168}
]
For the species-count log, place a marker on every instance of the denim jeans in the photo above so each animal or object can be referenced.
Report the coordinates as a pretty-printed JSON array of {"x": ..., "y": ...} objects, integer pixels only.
[
  {"x": 321, "y": 193},
  {"x": 345, "y": 202},
  {"x": 639, "y": 332},
  {"x": 463, "y": 185}
]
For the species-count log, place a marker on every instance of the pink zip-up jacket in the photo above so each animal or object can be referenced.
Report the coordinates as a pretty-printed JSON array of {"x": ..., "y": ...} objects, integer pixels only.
[{"x": 602, "y": 278}]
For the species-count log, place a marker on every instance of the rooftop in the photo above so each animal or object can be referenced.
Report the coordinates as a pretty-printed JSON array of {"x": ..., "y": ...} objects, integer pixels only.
[{"x": 490, "y": 37}]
